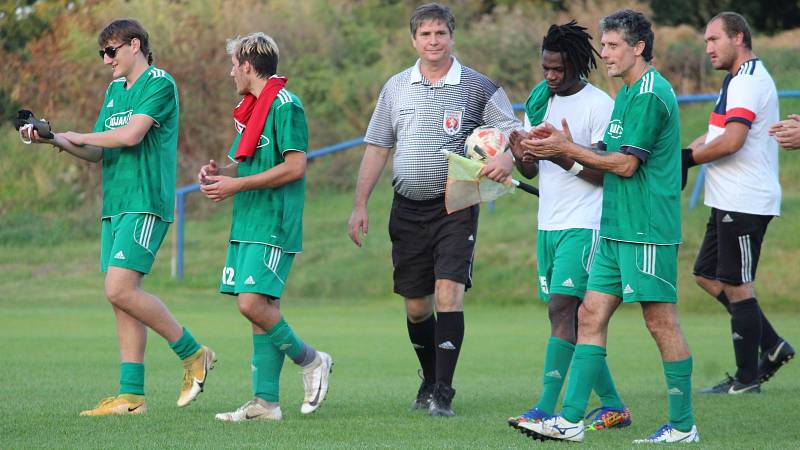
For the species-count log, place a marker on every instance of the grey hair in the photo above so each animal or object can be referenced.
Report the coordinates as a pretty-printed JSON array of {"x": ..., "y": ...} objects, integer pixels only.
[{"x": 634, "y": 27}]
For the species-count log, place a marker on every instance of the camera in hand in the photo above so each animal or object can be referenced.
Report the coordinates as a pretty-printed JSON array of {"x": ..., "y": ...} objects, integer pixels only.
[{"x": 42, "y": 126}]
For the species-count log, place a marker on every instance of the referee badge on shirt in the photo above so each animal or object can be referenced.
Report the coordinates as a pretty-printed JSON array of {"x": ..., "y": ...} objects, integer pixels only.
[{"x": 451, "y": 122}]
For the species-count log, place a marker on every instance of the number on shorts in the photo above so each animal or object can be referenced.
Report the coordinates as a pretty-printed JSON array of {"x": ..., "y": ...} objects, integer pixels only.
[
  {"x": 543, "y": 284},
  {"x": 227, "y": 276}
]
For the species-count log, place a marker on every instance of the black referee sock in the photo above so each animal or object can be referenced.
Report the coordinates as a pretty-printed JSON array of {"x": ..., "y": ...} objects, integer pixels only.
[
  {"x": 449, "y": 336},
  {"x": 746, "y": 332},
  {"x": 422, "y": 335}
]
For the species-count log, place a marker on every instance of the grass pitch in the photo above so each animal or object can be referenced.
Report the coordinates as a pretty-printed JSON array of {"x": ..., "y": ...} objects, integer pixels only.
[
  {"x": 59, "y": 356},
  {"x": 59, "y": 352}
]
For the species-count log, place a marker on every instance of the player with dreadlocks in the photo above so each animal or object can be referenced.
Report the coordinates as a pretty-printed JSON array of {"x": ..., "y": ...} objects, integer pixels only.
[{"x": 569, "y": 211}]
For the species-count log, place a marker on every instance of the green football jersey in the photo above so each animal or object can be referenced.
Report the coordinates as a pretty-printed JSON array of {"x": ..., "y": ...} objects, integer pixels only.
[
  {"x": 141, "y": 178},
  {"x": 273, "y": 216},
  {"x": 645, "y": 208}
]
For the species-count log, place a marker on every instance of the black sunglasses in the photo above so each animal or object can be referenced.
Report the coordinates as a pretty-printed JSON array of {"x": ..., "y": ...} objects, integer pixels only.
[{"x": 111, "y": 51}]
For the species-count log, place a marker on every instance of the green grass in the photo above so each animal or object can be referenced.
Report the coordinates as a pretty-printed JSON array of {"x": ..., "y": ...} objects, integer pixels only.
[
  {"x": 60, "y": 348},
  {"x": 60, "y": 357},
  {"x": 59, "y": 353}
]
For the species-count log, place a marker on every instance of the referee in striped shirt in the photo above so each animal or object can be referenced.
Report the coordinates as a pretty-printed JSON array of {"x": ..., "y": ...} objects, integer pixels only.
[{"x": 431, "y": 106}]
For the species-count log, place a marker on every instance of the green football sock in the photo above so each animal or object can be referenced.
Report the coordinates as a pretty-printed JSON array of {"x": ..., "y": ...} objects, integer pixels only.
[
  {"x": 587, "y": 363},
  {"x": 267, "y": 365},
  {"x": 282, "y": 337},
  {"x": 185, "y": 346},
  {"x": 131, "y": 378},
  {"x": 605, "y": 389},
  {"x": 679, "y": 392},
  {"x": 556, "y": 364}
]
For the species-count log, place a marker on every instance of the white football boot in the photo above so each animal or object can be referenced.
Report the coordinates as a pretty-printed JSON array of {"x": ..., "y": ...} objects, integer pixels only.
[
  {"x": 554, "y": 428},
  {"x": 315, "y": 382},
  {"x": 667, "y": 434}
]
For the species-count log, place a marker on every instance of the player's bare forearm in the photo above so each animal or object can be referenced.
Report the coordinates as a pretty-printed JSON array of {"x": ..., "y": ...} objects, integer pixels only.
[
  {"x": 85, "y": 152},
  {"x": 528, "y": 169},
  {"x": 556, "y": 144},
  {"x": 603, "y": 161},
  {"x": 124, "y": 136},
  {"x": 728, "y": 143},
  {"x": 372, "y": 165},
  {"x": 699, "y": 141},
  {"x": 293, "y": 168}
]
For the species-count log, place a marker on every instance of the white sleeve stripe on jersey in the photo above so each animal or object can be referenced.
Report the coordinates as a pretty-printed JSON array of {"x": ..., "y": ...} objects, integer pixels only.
[
  {"x": 647, "y": 83},
  {"x": 748, "y": 68}
]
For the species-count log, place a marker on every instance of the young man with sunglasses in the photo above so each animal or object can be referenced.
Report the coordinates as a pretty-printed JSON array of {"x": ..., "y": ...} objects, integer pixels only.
[{"x": 136, "y": 137}]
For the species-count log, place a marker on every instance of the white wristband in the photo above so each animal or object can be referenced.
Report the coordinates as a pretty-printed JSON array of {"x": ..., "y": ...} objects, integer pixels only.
[{"x": 576, "y": 168}]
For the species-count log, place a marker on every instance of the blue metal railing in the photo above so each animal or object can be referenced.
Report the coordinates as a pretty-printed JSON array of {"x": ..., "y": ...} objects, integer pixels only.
[{"x": 182, "y": 192}]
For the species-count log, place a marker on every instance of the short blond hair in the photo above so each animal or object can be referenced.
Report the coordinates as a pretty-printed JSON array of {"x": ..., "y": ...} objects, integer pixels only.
[{"x": 259, "y": 50}]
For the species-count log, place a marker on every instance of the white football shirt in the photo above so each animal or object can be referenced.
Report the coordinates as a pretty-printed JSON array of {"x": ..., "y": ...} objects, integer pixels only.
[
  {"x": 746, "y": 181},
  {"x": 566, "y": 201}
]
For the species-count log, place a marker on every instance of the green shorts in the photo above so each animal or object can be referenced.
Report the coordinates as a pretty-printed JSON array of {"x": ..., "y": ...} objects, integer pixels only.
[
  {"x": 131, "y": 240},
  {"x": 635, "y": 272},
  {"x": 563, "y": 261},
  {"x": 257, "y": 268}
]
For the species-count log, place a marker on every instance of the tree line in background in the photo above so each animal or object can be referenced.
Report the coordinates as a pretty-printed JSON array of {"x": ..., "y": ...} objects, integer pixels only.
[
  {"x": 337, "y": 55},
  {"x": 766, "y": 17}
]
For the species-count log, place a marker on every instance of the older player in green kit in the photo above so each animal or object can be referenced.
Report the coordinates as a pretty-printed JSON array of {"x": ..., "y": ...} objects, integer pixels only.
[
  {"x": 136, "y": 138},
  {"x": 640, "y": 229},
  {"x": 569, "y": 213}
]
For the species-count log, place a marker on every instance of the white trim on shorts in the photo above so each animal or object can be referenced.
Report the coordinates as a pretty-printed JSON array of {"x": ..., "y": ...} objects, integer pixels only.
[
  {"x": 146, "y": 231},
  {"x": 747, "y": 258},
  {"x": 274, "y": 260},
  {"x": 649, "y": 263},
  {"x": 592, "y": 250}
]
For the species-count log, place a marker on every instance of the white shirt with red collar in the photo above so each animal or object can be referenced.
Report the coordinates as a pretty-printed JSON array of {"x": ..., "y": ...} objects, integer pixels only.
[{"x": 747, "y": 180}]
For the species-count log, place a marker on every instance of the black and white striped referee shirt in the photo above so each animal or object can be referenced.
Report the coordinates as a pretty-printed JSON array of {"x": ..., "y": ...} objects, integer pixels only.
[{"x": 420, "y": 119}]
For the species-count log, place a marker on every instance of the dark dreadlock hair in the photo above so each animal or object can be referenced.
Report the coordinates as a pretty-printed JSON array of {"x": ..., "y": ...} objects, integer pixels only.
[{"x": 572, "y": 41}]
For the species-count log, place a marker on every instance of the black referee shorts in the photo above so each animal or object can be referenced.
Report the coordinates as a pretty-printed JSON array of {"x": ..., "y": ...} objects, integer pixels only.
[
  {"x": 429, "y": 245},
  {"x": 731, "y": 247}
]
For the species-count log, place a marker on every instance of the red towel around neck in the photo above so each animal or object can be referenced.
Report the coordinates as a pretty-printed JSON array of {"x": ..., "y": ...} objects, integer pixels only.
[{"x": 251, "y": 115}]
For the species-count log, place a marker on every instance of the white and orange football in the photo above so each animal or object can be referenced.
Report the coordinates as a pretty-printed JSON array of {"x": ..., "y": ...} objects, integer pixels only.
[{"x": 485, "y": 143}]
